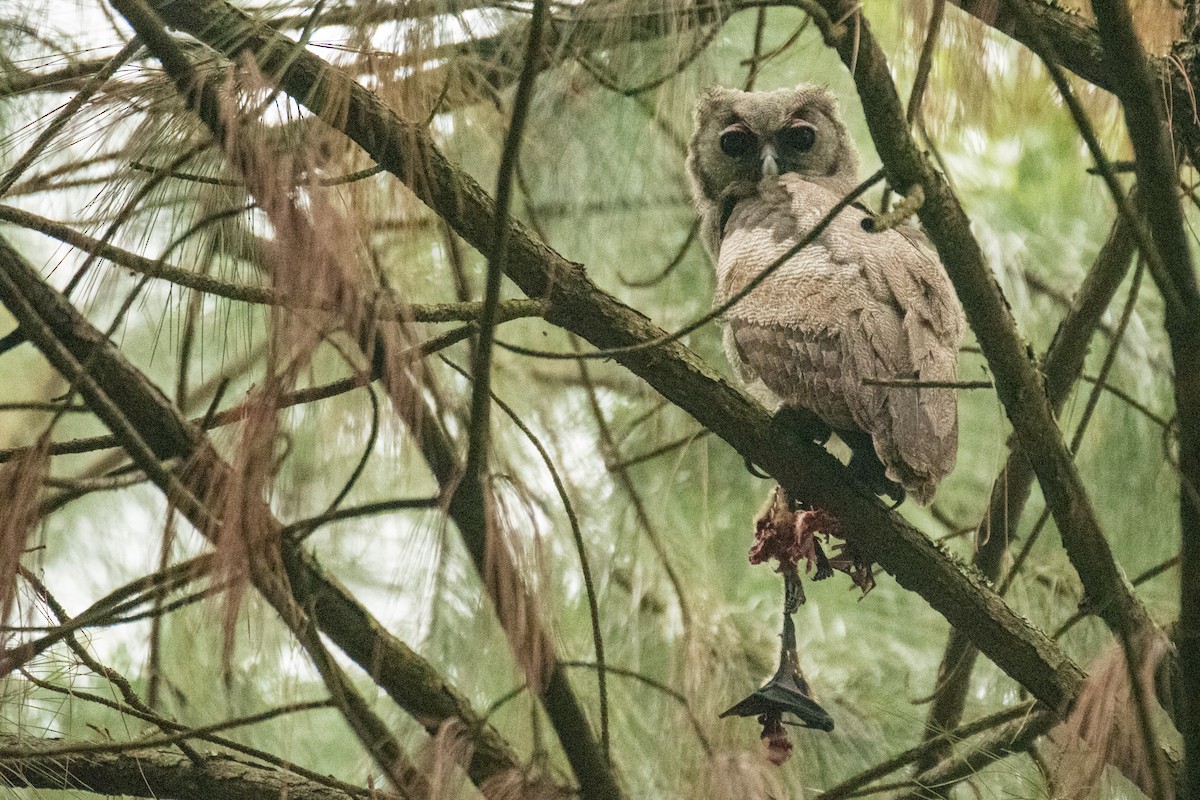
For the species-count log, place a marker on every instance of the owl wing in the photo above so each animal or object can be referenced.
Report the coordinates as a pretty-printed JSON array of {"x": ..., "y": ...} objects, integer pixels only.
[
  {"x": 917, "y": 436},
  {"x": 801, "y": 366},
  {"x": 924, "y": 421}
]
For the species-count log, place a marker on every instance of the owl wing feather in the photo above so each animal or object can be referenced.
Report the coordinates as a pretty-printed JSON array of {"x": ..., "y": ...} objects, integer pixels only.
[{"x": 925, "y": 421}]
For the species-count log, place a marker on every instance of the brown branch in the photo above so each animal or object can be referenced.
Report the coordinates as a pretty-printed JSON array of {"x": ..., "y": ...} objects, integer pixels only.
[
  {"x": 17, "y": 83},
  {"x": 1015, "y": 737},
  {"x": 1136, "y": 86},
  {"x": 64, "y": 115},
  {"x": 1062, "y": 367},
  {"x": 259, "y": 295},
  {"x": 850, "y": 786},
  {"x": 229, "y": 416},
  {"x": 580, "y": 549},
  {"x": 497, "y": 253},
  {"x": 229, "y": 744},
  {"x": 71, "y": 749},
  {"x": 1081, "y": 49},
  {"x": 152, "y": 773},
  {"x": 470, "y": 505}
]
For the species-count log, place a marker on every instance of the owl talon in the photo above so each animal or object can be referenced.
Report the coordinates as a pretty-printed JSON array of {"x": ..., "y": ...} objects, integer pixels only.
[
  {"x": 824, "y": 568},
  {"x": 755, "y": 471},
  {"x": 793, "y": 590},
  {"x": 805, "y": 423}
]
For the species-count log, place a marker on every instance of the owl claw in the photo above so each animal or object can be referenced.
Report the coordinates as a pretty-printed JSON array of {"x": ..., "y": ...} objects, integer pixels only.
[
  {"x": 753, "y": 469},
  {"x": 869, "y": 470},
  {"x": 824, "y": 568},
  {"x": 804, "y": 422}
]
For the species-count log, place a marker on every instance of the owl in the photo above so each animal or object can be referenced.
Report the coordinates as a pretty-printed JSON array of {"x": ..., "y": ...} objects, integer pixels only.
[{"x": 850, "y": 308}]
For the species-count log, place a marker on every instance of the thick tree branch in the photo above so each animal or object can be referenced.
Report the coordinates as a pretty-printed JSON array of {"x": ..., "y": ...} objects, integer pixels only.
[
  {"x": 245, "y": 293},
  {"x": 70, "y": 344},
  {"x": 1081, "y": 49},
  {"x": 154, "y": 773},
  {"x": 1062, "y": 367},
  {"x": 471, "y": 502},
  {"x": 1157, "y": 172}
]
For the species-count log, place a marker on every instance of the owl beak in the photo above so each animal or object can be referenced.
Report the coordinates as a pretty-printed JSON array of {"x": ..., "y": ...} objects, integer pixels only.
[{"x": 770, "y": 166}]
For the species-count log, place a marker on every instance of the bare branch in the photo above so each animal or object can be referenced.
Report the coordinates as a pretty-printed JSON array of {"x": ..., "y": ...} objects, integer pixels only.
[
  {"x": 404, "y": 675},
  {"x": 1062, "y": 367},
  {"x": 1138, "y": 90},
  {"x": 152, "y": 773}
]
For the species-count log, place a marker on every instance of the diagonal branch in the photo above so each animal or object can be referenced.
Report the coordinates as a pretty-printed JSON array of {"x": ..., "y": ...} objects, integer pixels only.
[
  {"x": 1081, "y": 49},
  {"x": 1158, "y": 176},
  {"x": 153, "y": 773},
  {"x": 471, "y": 502},
  {"x": 71, "y": 345},
  {"x": 246, "y": 293},
  {"x": 1062, "y": 366}
]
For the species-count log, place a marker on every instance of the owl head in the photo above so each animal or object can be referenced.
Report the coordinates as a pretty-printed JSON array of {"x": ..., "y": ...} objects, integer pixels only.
[{"x": 746, "y": 136}]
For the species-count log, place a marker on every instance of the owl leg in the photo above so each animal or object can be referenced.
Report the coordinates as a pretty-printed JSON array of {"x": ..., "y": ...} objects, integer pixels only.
[
  {"x": 805, "y": 423},
  {"x": 867, "y": 467},
  {"x": 824, "y": 568}
]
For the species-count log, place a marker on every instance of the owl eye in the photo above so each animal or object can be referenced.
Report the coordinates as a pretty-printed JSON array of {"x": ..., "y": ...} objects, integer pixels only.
[
  {"x": 797, "y": 136},
  {"x": 736, "y": 142}
]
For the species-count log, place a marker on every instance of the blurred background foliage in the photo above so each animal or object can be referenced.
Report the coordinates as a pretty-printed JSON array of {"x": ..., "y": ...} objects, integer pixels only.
[{"x": 601, "y": 178}]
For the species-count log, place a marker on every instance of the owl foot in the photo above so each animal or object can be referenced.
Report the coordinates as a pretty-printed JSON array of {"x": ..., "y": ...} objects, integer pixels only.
[
  {"x": 753, "y": 469},
  {"x": 824, "y": 568},
  {"x": 805, "y": 423},
  {"x": 793, "y": 589},
  {"x": 868, "y": 469}
]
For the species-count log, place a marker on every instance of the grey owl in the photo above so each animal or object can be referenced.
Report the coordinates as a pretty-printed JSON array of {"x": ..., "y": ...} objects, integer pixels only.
[{"x": 765, "y": 167}]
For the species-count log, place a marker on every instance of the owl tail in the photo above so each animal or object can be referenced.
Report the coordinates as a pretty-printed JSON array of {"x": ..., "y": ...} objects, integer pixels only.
[{"x": 918, "y": 442}]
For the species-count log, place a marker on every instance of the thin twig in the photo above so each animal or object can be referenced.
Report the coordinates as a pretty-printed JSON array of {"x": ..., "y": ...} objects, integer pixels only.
[
  {"x": 608, "y": 447},
  {"x": 585, "y": 568},
  {"x": 481, "y": 360},
  {"x": 913, "y": 383},
  {"x": 848, "y": 787},
  {"x": 64, "y": 115}
]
